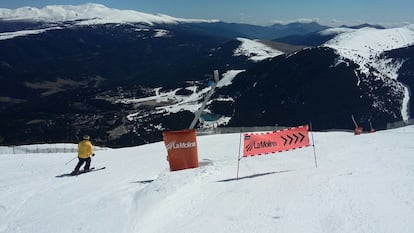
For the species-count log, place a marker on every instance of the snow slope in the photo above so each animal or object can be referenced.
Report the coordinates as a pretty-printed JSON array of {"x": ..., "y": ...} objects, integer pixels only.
[
  {"x": 11, "y": 35},
  {"x": 365, "y": 47},
  {"x": 255, "y": 50},
  {"x": 363, "y": 183}
]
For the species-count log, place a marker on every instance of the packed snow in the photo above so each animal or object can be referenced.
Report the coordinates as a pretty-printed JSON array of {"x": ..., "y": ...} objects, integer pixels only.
[{"x": 363, "y": 183}]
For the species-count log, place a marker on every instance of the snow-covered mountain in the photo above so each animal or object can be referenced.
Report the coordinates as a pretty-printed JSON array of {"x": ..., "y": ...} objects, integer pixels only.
[
  {"x": 366, "y": 46},
  {"x": 27, "y": 18},
  {"x": 89, "y": 14},
  {"x": 61, "y": 16},
  {"x": 353, "y": 70},
  {"x": 362, "y": 184}
]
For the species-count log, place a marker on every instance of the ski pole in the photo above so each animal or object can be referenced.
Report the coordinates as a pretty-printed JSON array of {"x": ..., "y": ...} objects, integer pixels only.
[
  {"x": 353, "y": 119},
  {"x": 70, "y": 161}
]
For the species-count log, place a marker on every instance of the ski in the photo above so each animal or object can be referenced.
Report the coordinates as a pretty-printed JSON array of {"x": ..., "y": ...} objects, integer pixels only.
[{"x": 92, "y": 169}]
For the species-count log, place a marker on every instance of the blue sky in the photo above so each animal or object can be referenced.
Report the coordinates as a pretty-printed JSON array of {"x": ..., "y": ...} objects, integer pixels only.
[{"x": 263, "y": 12}]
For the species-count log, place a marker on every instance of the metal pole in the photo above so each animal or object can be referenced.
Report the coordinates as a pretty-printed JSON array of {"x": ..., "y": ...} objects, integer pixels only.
[
  {"x": 313, "y": 145},
  {"x": 210, "y": 93},
  {"x": 238, "y": 158}
]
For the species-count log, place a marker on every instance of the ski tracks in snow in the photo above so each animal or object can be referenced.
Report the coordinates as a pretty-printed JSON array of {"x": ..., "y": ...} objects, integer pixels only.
[
  {"x": 332, "y": 206},
  {"x": 24, "y": 194},
  {"x": 171, "y": 194}
]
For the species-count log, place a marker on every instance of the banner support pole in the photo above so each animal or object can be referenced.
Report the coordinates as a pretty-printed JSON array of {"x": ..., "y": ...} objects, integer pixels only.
[
  {"x": 238, "y": 158},
  {"x": 313, "y": 145}
]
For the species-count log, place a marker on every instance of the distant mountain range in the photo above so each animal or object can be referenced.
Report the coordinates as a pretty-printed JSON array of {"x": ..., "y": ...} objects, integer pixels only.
[{"x": 125, "y": 76}]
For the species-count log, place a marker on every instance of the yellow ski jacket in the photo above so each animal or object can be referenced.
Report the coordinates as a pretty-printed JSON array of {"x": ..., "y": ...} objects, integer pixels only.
[{"x": 85, "y": 149}]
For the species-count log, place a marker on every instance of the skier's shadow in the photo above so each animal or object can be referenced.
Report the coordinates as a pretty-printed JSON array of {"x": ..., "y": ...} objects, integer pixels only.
[
  {"x": 64, "y": 175},
  {"x": 142, "y": 182},
  {"x": 252, "y": 176},
  {"x": 205, "y": 162}
]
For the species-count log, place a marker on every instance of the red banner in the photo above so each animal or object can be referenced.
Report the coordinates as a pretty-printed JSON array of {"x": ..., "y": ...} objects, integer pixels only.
[{"x": 277, "y": 141}]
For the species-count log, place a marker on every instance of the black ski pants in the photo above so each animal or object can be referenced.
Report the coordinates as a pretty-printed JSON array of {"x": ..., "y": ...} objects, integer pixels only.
[{"x": 80, "y": 163}]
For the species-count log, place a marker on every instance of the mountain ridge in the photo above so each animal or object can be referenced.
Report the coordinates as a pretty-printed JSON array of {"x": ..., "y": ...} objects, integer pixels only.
[
  {"x": 86, "y": 14},
  {"x": 124, "y": 83}
]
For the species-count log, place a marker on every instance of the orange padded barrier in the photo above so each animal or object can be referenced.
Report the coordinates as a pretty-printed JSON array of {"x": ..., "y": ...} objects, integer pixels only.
[{"x": 182, "y": 149}]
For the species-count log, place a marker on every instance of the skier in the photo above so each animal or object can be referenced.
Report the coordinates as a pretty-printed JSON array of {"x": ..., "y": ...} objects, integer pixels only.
[{"x": 84, "y": 155}]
